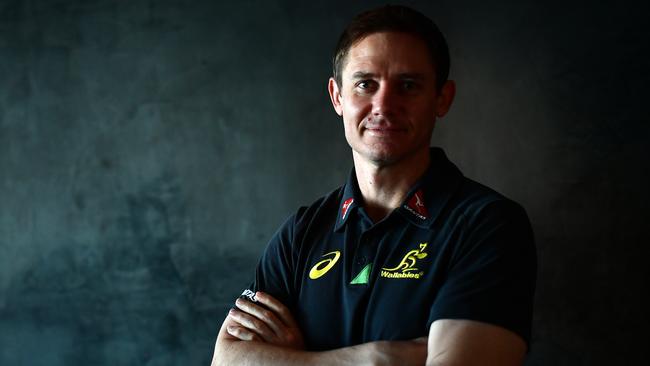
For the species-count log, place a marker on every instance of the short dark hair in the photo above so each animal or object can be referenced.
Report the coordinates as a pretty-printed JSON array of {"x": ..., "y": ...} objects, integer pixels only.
[{"x": 394, "y": 18}]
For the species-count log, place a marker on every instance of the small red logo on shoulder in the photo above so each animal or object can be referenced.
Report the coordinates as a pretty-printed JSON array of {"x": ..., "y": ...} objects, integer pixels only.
[
  {"x": 416, "y": 204},
  {"x": 346, "y": 205}
]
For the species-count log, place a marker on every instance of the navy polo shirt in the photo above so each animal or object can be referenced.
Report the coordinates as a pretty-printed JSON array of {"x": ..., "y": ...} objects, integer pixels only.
[{"x": 454, "y": 249}]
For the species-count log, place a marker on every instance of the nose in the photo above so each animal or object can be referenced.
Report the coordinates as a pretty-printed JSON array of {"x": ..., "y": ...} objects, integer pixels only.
[{"x": 385, "y": 101}]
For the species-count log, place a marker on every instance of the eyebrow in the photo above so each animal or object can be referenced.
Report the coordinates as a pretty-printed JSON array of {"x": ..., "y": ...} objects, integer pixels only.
[
  {"x": 362, "y": 75},
  {"x": 415, "y": 76},
  {"x": 406, "y": 75}
]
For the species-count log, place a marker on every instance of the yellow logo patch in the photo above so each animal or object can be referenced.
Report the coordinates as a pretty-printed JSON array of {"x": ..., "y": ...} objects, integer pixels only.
[
  {"x": 406, "y": 268},
  {"x": 320, "y": 268}
]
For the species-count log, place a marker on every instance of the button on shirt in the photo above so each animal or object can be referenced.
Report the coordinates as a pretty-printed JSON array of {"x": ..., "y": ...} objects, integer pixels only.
[{"x": 454, "y": 249}]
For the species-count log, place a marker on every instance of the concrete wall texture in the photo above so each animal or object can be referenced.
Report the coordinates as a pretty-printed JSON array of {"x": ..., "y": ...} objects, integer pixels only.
[{"x": 149, "y": 149}]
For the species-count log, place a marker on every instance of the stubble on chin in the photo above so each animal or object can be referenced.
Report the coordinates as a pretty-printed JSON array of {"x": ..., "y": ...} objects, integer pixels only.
[{"x": 374, "y": 156}]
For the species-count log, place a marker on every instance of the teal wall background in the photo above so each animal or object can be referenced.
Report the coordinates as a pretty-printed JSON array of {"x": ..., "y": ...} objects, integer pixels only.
[{"x": 149, "y": 149}]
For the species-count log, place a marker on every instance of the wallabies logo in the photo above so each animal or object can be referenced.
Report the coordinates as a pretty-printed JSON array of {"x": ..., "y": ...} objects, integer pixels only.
[{"x": 406, "y": 268}]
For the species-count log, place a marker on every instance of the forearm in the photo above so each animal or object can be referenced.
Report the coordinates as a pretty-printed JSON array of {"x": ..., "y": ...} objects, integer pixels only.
[
  {"x": 235, "y": 352},
  {"x": 251, "y": 335},
  {"x": 456, "y": 342},
  {"x": 232, "y": 351}
]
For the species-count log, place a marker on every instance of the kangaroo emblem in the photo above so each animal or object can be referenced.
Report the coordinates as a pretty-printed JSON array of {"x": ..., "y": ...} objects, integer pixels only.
[
  {"x": 408, "y": 262},
  {"x": 419, "y": 203}
]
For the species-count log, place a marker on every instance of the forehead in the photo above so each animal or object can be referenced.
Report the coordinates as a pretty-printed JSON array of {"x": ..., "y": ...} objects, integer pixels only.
[{"x": 389, "y": 52}]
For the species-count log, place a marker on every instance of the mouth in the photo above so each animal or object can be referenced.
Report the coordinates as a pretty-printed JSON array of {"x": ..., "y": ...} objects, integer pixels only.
[{"x": 383, "y": 131}]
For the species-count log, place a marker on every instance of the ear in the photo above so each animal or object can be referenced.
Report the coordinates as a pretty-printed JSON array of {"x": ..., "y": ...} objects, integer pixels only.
[
  {"x": 335, "y": 96},
  {"x": 445, "y": 98}
]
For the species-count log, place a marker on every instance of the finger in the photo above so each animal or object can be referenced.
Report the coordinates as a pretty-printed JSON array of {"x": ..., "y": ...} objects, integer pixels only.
[
  {"x": 265, "y": 315},
  {"x": 252, "y": 323},
  {"x": 242, "y": 333},
  {"x": 278, "y": 308}
]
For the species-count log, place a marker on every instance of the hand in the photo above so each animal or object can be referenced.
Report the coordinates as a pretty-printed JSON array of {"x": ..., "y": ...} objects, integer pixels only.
[
  {"x": 404, "y": 353},
  {"x": 274, "y": 325}
]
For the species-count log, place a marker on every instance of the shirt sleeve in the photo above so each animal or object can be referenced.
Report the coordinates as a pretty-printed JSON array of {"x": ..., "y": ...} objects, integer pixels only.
[
  {"x": 274, "y": 271},
  {"x": 492, "y": 271}
]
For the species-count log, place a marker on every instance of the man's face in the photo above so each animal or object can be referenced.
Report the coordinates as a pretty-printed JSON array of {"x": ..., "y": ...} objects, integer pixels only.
[{"x": 388, "y": 98}]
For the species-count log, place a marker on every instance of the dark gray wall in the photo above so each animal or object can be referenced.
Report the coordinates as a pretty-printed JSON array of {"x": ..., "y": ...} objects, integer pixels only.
[{"x": 149, "y": 149}]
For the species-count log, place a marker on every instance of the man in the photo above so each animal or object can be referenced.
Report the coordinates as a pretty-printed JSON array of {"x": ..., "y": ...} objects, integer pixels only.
[{"x": 409, "y": 262}]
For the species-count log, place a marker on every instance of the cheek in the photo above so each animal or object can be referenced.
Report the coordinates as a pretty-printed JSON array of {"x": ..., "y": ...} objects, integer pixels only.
[
  {"x": 350, "y": 126},
  {"x": 356, "y": 108},
  {"x": 425, "y": 114},
  {"x": 351, "y": 132}
]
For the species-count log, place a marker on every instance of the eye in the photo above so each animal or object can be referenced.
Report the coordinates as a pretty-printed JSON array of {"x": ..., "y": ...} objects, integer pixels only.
[
  {"x": 409, "y": 85},
  {"x": 365, "y": 85}
]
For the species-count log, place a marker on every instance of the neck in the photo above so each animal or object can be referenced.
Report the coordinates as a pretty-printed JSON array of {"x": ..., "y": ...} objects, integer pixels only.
[{"x": 384, "y": 187}]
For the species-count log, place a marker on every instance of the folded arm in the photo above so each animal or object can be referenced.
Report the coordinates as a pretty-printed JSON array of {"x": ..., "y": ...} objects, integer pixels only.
[
  {"x": 257, "y": 336},
  {"x": 457, "y": 342}
]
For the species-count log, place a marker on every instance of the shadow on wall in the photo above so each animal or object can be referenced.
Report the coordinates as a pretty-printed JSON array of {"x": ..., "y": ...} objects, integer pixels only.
[{"x": 132, "y": 299}]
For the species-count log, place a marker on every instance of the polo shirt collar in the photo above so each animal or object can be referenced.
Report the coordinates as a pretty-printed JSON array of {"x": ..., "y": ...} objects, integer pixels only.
[
  {"x": 350, "y": 201},
  {"x": 425, "y": 199},
  {"x": 430, "y": 193}
]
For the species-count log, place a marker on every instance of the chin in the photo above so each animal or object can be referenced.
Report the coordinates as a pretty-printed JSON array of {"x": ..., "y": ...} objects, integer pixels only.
[
  {"x": 389, "y": 154},
  {"x": 382, "y": 157}
]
